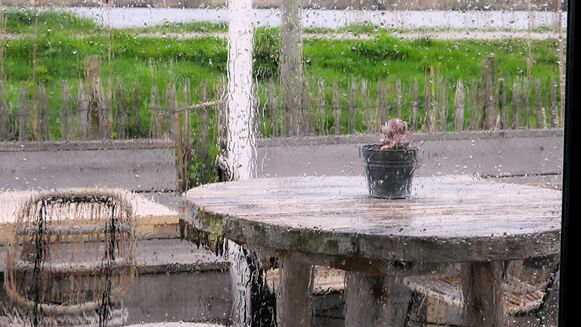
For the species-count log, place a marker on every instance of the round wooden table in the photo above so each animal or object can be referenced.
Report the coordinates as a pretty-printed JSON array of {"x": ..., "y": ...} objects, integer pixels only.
[{"x": 331, "y": 221}]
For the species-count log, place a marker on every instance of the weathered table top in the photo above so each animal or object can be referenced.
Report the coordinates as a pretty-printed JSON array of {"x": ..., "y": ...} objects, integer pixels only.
[{"x": 447, "y": 219}]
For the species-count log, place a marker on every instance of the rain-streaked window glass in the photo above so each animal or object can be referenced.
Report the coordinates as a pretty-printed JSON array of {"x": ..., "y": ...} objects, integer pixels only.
[{"x": 281, "y": 162}]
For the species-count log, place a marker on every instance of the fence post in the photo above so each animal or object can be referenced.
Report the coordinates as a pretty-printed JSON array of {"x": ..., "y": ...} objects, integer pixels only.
[
  {"x": 540, "y": 110},
  {"x": 202, "y": 123},
  {"x": 487, "y": 106},
  {"x": 306, "y": 124},
  {"x": 66, "y": 111},
  {"x": 4, "y": 114},
  {"x": 526, "y": 101},
  {"x": 515, "y": 103},
  {"x": 186, "y": 139},
  {"x": 353, "y": 105},
  {"x": 502, "y": 121},
  {"x": 415, "y": 103},
  {"x": 380, "y": 104},
  {"x": 157, "y": 119},
  {"x": 105, "y": 109},
  {"x": 121, "y": 106},
  {"x": 43, "y": 117},
  {"x": 442, "y": 103},
  {"x": 429, "y": 106},
  {"x": 554, "y": 104},
  {"x": 82, "y": 111},
  {"x": 176, "y": 134},
  {"x": 94, "y": 107},
  {"x": 398, "y": 99},
  {"x": 366, "y": 111},
  {"x": 336, "y": 108},
  {"x": 473, "y": 105},
  {"x": 321, "y": 112},
  {"x": 459, "y": 105},
  {"x": 22, "y": 114},
  {"x": 221, "y": 117},
  {"x": 272, "y": 107}
]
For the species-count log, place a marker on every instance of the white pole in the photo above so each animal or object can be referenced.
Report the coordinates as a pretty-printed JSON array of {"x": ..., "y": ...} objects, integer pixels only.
[{"x": 240, "y": 138}]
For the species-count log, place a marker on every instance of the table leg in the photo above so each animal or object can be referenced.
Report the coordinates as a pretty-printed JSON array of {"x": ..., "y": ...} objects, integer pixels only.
[
  {"x": 483, "y": 294},
  {"x": 363, "y": 294},
  {"x": 376, "y": 300},
  {"x": 294, "y": 294}
]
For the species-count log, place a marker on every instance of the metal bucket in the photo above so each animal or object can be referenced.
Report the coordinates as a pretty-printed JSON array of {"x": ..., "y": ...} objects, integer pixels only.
[{"x": 389, "y": 173}]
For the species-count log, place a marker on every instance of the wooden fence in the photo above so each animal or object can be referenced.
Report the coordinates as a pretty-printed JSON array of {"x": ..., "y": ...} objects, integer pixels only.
[
  {"x": 91, "y": 110},
  {"x": 194, "y": 116},
  {"x": 434, "y": 104}
]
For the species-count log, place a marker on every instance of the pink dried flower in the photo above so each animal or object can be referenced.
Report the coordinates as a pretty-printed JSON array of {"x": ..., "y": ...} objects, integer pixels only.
[{"x": 395, "y": 134}]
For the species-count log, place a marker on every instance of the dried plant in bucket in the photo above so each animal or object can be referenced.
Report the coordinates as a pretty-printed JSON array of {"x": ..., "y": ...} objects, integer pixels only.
[
  {"x": 390, "y": 165},
  {"x": 72, "y": 258}
]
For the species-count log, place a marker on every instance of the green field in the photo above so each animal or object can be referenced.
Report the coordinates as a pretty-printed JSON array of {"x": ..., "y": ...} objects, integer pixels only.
[{"x": 64, "y": 40}]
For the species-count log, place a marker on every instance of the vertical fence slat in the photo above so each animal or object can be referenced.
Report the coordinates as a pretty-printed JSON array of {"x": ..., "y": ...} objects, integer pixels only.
[
  {"x": 221, "y": 116},
  {"x": 526, "y": 102},
  {"x": 202, "y": 120},
  {"x": 134, "y": 108},
  {"x": 459, "y": 105},
  {"x": 415, "y": 103},
  {"x": 83, "y": 111},
  {"x": 66, "y": 112},
  {"x": 22, "y": 114},
  {"x": 398, "y": 99},
  {"x": 106, "y": 116},
  {"x": 442, "y": 104},
  {"x": 336, "y": 108},
  {"x": 515, "y": 103},
  {"x": 121, "y": 110},
  {"x": 272, "y": 107},
  {"x": 157, "y": 119},
  {"x": 502, "y": 119},
  {"x": 306, "y": 124},
  {"x": 366, "y": 111},
  {"x": 540, "y": 110},
  {"x": 186, "y": 140},
  {"x": 473, "y": 105},
  {"x": 321, "y": 108},
  {"x": 43, "y": 115},
  {"x": 554, "y": 104},
  {"x": 4, "y": 114},
  {"x": 380, "y": 104},
  {"x": 176, "y": 134},
  {"x": 487, "y": 106},
  {"x": 352, "y": 106},
  {"x": 94, "y": 107},
  {"x": 429, "y": 107},
  {"x": 525, "y": 110},
  {"x": 186, "y": 115}
]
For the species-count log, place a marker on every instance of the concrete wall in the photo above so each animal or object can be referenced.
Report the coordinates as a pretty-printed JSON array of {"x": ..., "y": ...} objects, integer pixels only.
[
  {"x": 137, "y": 165},
  {"x": 507, "y": 154}
]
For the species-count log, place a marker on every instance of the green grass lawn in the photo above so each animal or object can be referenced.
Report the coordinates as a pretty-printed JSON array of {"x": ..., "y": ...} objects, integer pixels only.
[{"x": 60, "y": 52}]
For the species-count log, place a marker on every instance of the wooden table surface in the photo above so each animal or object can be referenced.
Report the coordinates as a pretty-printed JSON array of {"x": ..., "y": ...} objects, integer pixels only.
[
  {"x": 445, "y": 219},
  {"x": 332, "y": 221}
]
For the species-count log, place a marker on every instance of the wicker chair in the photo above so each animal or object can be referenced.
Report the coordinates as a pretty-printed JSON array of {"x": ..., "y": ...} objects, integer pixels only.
[
  {"x": 437, "y": 299},
  {"x": 72, "y": 258}
]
